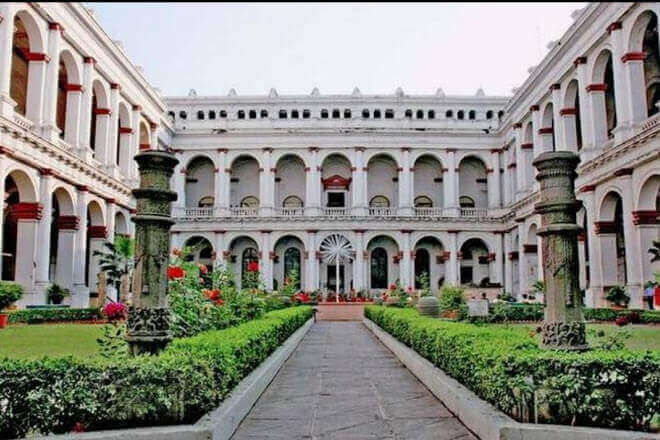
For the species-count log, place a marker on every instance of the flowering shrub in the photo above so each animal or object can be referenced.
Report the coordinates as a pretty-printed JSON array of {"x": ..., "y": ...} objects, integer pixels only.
[
  {"x": 621, "y": 321},
  {"x": 175, "y": 272},
  {"x": 114, "y": 311}
]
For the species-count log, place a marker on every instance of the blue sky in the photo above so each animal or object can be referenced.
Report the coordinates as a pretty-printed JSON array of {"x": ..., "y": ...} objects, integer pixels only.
[{"x": 335, "y": 47}]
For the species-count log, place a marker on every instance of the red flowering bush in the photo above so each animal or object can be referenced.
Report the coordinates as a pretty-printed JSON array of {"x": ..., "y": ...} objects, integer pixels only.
[
  {"x": 114, "y": 311},
  {"x": 253, "y": 266},
  {"x": 301, "y": 297},
  {"x": 175, "y": 272},
  {"x": 621, "y": 321},
  {"x": 203, "y": 269}
]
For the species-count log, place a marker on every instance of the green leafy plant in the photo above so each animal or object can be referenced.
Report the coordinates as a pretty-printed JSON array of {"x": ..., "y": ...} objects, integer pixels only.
[
  {"x": 539, "y": 286},
  {"x": 56, "y": 293},
  {"x": 116, "y": 260},
  {"x": 504, "y": 365},
  {"x": 451, "y": 298},
  {"x": 9, "y": 293},
  {"x": 506, "y": 296},
  {"x": 36, "y": 316},
  {"x": 655, "y": 251},
  {"x": 425, "y": 283},
  {"x": 618, "y": 296}
]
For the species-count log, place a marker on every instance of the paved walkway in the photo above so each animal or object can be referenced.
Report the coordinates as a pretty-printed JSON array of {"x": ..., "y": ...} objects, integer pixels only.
[{"x": 342, "y": 383}]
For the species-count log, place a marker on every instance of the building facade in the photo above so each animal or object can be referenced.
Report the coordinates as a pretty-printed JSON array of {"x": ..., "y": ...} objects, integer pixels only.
[{"x": 435, "y": 184}]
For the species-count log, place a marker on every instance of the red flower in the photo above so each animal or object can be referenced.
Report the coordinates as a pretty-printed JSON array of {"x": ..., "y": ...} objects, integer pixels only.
[
  {"x": 253, "y": 266},
  {"x": 212, "y": 294},
  {"x": 78, "y": 427},
  {"x": 174, "y": 272},
  {"x": 114, "y": 311},
  {"x": 392, "y": 286},
  {"x": 218, "y": 302},
  {"x": 302, "y": 297},
  {"x": 203, "y": 269}
]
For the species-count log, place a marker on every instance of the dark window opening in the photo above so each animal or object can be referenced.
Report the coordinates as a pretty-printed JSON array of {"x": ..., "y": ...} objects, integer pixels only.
[
  {"x": 306, "y": 114},
  {"x": 264, "y": 113},
  {"x": 294, "y": 114},
  {"x": 431, "y": 114},
  {"x": 211, "y": 114},
  {"x": 460, "y": 114},
  {"x": 241, "y": 114},
  {"x": 449, "y": 114},
  {"x": 408, "y": 114},
  {"x": 376, "y": 114},
  {"x": 365, "y": 113},
  {"x": 282, "y": 114},
  {"x": 335, "y": 113},
  {"x": 253, "y": 114},
  {"x": 420, "y": 114},
  {"x": 324, "y": 114},
  {"x": 389, "y": 114},
  {"x": 200, "y": 115},
  {"x": 347, "y": 113},
  {"x": 472, "y": 115}
]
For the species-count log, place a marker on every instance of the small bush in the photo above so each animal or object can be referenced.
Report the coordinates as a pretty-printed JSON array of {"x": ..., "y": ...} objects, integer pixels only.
[
  {"x": 36, "y": 316},
  {"x": 9, "y": 293},
  {"x": 616, "y": 389},
  {"x": 190, "y": 378},
  {"x": 451, "y": 298}
]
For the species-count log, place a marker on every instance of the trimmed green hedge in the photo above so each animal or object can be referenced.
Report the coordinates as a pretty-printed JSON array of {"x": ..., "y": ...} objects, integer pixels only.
[
  {"x": 504, "y": 366},
  {"x": 501, "y": 312},
  {"x": 190, "y": 378},
  {"x": 36, "y": 316}
]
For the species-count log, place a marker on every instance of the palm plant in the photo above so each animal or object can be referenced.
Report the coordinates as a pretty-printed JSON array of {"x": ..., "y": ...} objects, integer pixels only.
[
  {"x": 116, "y": 260},
  {"x": 655, "y": 251}
]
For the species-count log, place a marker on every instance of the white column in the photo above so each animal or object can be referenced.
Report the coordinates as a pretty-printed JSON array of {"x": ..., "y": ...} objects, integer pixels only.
[
  {"x": 506, "y": 175},
  {"x": 405, "y": 266},
  {"x": 66, "y": 241},
  {"x": 313, "y": 184},
  {"x": 405, "y": 183},
  {"x": 359, "y": 184},
  {"x": 499, "y": 261},
  {"x": 568, "y": 122},
  {"x": 6, "y": 52},
  {"x": 43, "y": 238},
  {"x": 358, "y": 263},
  {"x": 35, "y": 90},
  {"x": 266, "y": 263},
  {"x": 632, "y": 240},
  {"x": 520, "y": 170},
  {"x": 582, "y": 259},
  {"x": 73, "y": 115},
  {"x": 523, "y": 283},
  {"x": 125, "y": 158},
  {"x": 633, "y": 70},
  {"x": 178, "y": 182},
  {"x": 86, "y": 109},
  {"x": 111, "y": 211},
  {"x": 266, "y": 185},
  {"x": 26, "y": 251},
  {"x": 450, "y": 185},
  {"x": 102, "y": 150},
  {"x": 219, "y": 247},
  {"x": 494, "y": 179},
  {"x": 153, "y": 136},
  {"x": 223, "y": 183},
  {"x": 80, "y": 297},
  {"x": 452, "y": 271},
  {"x": 135, "y": 147},
  {"x": 113, "y": 165},
  {"x": 594, "y": 291},
  {"x": 508, "y": 265},
  {"x": 312, "y": 262},
  {"x": 50, "y": 129},
  {"x": 538, "y": 143},
  {"x": 596, "y": 93}
]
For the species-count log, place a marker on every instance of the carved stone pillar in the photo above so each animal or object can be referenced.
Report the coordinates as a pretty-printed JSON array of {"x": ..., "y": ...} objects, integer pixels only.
[
  {"x": 148, "y": 326},
  {"x": 563, "y": 326}
]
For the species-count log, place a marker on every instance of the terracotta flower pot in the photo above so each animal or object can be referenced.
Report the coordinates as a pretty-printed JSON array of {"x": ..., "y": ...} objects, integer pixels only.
[
  {"x": 450, "y": 314},
  {"x": 4, "y": 320}
]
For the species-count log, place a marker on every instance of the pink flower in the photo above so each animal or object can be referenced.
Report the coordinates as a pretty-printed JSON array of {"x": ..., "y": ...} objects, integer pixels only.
[
  {"x": 114, "y": 311},
  {"x": 203, "y": 269}
]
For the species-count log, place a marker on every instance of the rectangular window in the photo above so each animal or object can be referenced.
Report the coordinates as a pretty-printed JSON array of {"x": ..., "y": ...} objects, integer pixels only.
[{"x": 336, "y": 199}]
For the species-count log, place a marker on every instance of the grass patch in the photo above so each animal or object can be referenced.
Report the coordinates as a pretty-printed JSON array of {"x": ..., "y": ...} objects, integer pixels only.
[
  {"x": 642, "y": 337},
  {"x": 38, "y": 340}
]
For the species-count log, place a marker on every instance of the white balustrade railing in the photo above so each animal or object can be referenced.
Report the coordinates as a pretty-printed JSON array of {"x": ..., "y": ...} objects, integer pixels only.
[
  {"x": 473, "y": 212},
  {"x": 195, "y": 212},
  {"x": 336, "y": 212},
  {"x": 382, "y": 212},
  {"x": 244, "y": 212},
  {"x": 428, "y": 212},
  {"x": 289, "y": 212},
  {"x": 23, "y": 122}
]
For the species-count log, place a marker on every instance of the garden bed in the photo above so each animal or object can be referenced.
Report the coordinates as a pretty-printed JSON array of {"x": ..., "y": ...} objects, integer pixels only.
[
  {"x": 189, "y": 379},
  {"x": 502, "y": 311},
  {"x": 45, "y": 315},
  {"x": 615, "y": 389}
]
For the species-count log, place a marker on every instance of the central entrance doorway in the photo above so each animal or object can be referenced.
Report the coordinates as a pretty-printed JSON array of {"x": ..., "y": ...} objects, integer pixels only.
[{"x": 332, "y": 279}]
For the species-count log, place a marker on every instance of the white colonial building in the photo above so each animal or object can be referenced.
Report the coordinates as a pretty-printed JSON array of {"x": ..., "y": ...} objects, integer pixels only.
[{"x": 409, "y": 184}]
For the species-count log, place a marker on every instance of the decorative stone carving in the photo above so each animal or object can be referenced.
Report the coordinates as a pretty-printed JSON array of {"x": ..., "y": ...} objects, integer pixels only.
[
  {"x": 148, "y": 326},
  {"x": 563, "y": 326}
]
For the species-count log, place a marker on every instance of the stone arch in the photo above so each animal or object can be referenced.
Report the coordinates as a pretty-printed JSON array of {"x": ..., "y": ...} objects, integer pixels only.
[
  {"x": 200, "y": 181},
  {"x": 243, "y": 250},
  {"x": 121, "y": 224},
  {"x": 607, "y": 204},
  {"x": 286, "y": 260},
  {"x": 245, "y": 180},
  {"x": 383, "y": 253},
  {"x": 603, "y": 73},
  {"x": 25, "y": 184},
  {"x": 382, "y": 181},
  {"x": 371, "y": 154},
  {"x": 636, "y": 35},
  {"x": 573, "y": 127},
  {"x": 648, "y": 198},
  {"x": 429, "y": 256},
  {"x": 609, "y": 228},
  {"x": 474, "y": 264},
  {"x": 33, "y": 29},
  {"x": 68, "y": 74},
  {"x": 547, "y": 130},
  {"x": 336, "y": 175},
  {"x": 123, "y": 147},
  {"x": 27, "y": 39},
  {"x": 144, "y": 136},
  {"x": 644, "y": 38},
  {"x": 290, "y": 180},
  {"x": 65, "y": 200},
  {"x": 427, "y": 180},
  {"x": 473, "y": 180}
]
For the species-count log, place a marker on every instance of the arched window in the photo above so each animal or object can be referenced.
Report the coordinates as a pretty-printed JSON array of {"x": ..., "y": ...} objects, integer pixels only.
[
  {"x": 379, "y": 202},
  {"x": 250, "y": 255},
  {"x": 206, "y": 202},
  {"x": 211, "y": 114},
  {"x": 420, "y": 114},
  {"x": 200, "y": 115},
  {"x": 19, "y": 67},
  {"x": 408, "y": 113},
  {"x": 324, "y": 113},
  {"x": 241, "y": 114},
  {"x": 365, "y": 113},
  {"x": 62, "y": 82},
  {"x": 422, "y": 266},
  {"x": 264, "y": 113},
  {"x": 252, "y": 114},
  {"x": 423, "y": 202},
  {"x": 292, "y": 262},
  {"x": 431, "y": 114},
  {"x": 292, "y": 202},
  {"x": 389, "y": 113},
  {"x": 460, "y": 114},
  {"x": 306, "y": 114},
  {"x": 250, "y": 202},
  {"x": 347, "y": 113},
  {"x": 336, "y": 114},
  {"x": 376, "y": 114},
  {"x": 472, "y": 115},
  {"x": 92, "y": 126},
  {"x": 489, "y": 114},
  {"x": 379, "y": 268},
  {"x": 466, "y": 202},
  {"x": 294, "y": 114},
  {"x": 449, "y": 114}
]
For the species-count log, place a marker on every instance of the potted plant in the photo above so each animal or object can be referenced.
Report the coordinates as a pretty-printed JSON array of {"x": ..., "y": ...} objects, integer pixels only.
[
  {"x": 9, "y": 293},
  {"x": 452, "y": 298},
  {"x": 617, "y": 296},
  {"x": 57, "y": 293}
]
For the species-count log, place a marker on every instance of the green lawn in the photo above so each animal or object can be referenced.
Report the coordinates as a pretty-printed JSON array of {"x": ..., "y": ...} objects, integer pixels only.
[
  {"x": 642, "y": 337},
  {"x": 37, "y": 340}
]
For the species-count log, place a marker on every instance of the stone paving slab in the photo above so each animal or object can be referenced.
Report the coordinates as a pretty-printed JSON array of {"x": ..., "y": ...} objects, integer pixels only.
[{"x": 342, "y": 383}]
